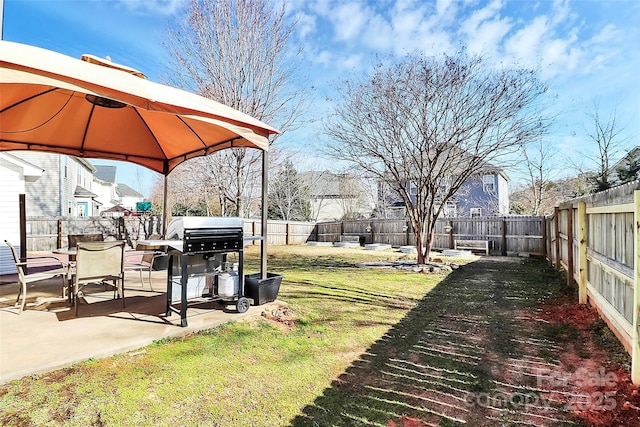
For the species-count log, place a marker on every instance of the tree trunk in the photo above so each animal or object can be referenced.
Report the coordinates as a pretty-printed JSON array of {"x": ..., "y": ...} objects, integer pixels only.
[{"x": 419, "y": 245}]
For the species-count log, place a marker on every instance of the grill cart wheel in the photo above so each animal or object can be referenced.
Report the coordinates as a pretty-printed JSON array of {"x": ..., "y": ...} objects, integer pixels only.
[{"x": 242, "y": 305}]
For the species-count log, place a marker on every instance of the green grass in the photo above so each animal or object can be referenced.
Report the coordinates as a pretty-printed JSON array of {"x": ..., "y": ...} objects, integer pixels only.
[
  {"x": 242, "y": 373},
  {"x": 369, "y": 346}
]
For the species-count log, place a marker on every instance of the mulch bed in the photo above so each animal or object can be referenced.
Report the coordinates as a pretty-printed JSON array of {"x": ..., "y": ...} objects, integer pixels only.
[{"x": 611, "y": 398}]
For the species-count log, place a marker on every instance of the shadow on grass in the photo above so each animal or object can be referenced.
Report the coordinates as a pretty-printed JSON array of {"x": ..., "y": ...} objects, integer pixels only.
[{"x": 446, "y": 362}]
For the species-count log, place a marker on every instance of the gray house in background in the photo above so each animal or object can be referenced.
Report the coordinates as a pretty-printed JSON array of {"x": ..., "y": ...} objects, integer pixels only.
[{"x": 483, "y": 195}]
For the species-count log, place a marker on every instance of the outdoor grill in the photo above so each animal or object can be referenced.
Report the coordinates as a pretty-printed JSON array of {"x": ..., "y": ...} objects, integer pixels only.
[{"x": 198, "y": 270}]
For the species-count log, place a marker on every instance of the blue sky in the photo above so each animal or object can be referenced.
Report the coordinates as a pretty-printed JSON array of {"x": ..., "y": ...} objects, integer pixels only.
[{"x": 587, "y": 50}]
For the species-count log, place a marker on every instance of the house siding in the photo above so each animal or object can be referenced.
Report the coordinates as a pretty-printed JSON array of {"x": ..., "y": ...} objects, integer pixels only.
[
  {"x": 41, "y": 198},
  {"x": 12, "y": 186}
]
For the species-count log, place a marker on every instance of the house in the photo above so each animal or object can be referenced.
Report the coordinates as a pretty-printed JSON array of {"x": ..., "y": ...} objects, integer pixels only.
[
  {"x": 484, "y": 194},
  {"x": 15, "y": 173},
  {"x": 128, "y": 198},
  {"x": 626, "y": 169},
  {"x": 111, "y": 193},
  {"x": 336, "y": 196},
  {"x": 104, "y": 186},
  {"x": 64, "y": 189}
]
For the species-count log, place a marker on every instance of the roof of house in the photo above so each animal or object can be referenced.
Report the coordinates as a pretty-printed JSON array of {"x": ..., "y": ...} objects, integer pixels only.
[
  {"x": 123, "y": 190},
  {"x": 85, "y": 163},
  {"x": 105, "y": 173},
  {"x": 30, "y": 171},
  {"x": 628, "y": 158},
  {"x": 116, "y": 208},
  {"x": 329, "y": 184},
  {"x": 83, "y": 192}
]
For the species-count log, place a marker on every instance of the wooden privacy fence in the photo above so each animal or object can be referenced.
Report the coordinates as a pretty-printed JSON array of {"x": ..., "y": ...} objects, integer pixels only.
[
  {"x": 47, "y": 233},
  {"x": 596, "y": 240},
  {"x": 506, "y": 235}
]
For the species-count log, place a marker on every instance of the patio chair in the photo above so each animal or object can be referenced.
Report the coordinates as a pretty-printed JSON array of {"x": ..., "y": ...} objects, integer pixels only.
[
  {"x": 73, "y": 240},
  {"x": 102, "y": 263},
  {"x": 48, "y": 267},
  {"x": 142, "y": 259}
]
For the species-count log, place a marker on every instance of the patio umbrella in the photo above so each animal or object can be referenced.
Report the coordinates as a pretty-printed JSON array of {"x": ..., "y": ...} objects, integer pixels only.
[{"x": 97, "y": 109}]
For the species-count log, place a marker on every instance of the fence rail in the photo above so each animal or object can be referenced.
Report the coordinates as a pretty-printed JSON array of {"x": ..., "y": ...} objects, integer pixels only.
[{"x": 596, "y": 240}]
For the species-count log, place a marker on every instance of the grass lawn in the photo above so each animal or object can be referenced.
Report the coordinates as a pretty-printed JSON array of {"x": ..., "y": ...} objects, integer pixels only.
[
  {"x": 497, "y": 342},
  {"x": 242, "y": 373}
]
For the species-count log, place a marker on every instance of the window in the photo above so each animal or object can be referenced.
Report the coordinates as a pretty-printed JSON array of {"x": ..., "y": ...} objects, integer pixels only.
[
  {"x": 475, "y": 212},
  {"x": 413, "y": 190},
  {"x": 488, "y": 183},
  {"x": 450, "y": 209}
]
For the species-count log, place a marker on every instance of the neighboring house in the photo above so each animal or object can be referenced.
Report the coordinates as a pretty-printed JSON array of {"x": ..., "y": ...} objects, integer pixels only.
[
  {"x": 128, "y": 197},
  {"x": 335, "y": 196},
  {"x": 485, "y": 194},
  {"x": 104, "y": 185},
  {"x": 626, "y": 169},
  {"x": 64, "y": 188},
  {"x": 482, "y": 195},
  {"x": 15, "y": 173}
]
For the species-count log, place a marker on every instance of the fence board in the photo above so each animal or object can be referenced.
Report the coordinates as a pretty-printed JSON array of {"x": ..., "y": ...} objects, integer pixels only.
[{"x": 608, "y": 255}]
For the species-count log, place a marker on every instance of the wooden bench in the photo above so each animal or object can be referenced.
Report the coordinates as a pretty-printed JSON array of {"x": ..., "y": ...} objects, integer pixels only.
[
  {"x": 472, "y": 245},
  {"x": 350, "y": 239}
]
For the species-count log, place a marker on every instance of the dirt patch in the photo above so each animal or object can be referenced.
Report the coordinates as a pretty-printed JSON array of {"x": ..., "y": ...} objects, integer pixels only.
[
  {"x": 280, "y": 316},
  {"x": 594, "y": 385}
]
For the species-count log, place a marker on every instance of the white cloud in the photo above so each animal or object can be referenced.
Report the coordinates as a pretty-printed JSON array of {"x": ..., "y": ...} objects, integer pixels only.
[
  {"x": 161, "y": 7},
  {"x": 349, "y": 20},
  {"x": 484, "y": 30},
  {"x": 524, "y": 46},
  {"x": 306, "y": 24},
  {"x": 351, "y": 62},
  {"x": 379, "y": 34}
]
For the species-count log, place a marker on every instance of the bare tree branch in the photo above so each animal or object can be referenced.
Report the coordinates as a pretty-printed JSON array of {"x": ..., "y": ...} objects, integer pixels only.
[{"x": 434, "y": 122}]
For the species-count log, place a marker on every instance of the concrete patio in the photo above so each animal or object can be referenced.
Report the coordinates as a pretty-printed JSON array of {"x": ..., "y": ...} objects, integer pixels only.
[{"x": 48, "y": 336}]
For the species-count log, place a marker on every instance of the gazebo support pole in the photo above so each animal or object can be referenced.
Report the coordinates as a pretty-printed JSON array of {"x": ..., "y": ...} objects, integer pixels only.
[
  {"x": 165, "y": 216},
  {"x": 263, "y": 243}
]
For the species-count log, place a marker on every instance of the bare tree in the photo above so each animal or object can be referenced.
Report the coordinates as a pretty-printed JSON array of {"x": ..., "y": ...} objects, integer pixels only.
[
  {"x": 240, "y": 53},
  {"x": 538, "y": 196},
  {"x": 607, "y": 134},
  {"x": 288, "y": 195},
  {"x": 426, "y": 124}
]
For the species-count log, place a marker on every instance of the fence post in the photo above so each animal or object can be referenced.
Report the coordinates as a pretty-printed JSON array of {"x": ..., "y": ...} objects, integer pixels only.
[
  {"x": 635, "y": 345},
  {"x": 543, "y": 230},
  {"x": 286, "y": 237},
  {"x": 59, "y": 238},
  {"x": 503, "y": 243},
  {"x": 406, "y": 233},
  {"x": 570, "y": 266},
  {"x": 582, "y": 259},
  {"x": 556, "y": 224}
]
